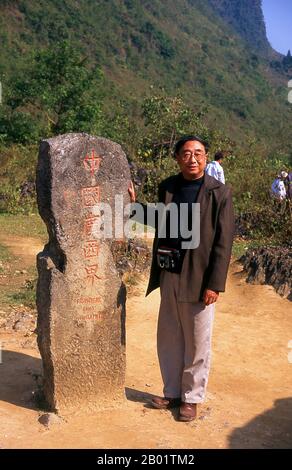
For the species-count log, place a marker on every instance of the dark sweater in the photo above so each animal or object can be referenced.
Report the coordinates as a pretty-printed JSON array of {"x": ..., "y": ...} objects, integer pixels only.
[{"x": 187, "y": 192}]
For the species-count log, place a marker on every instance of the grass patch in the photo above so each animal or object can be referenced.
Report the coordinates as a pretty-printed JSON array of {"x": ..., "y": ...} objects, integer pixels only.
[
  {"x": 17, "y": 289},
  {"x": 5, "y": 255},
  {"x": 5, "y": 258},
  {"x": 23, "y": 225},
  {"x": 131, "y": 279},
  {"x": 240, "y": 246},
  {"x": 26, "y": 296}
]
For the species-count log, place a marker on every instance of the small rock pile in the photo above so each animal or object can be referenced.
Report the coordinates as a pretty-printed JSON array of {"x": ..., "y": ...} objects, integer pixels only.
[
  {"x": 270, "y": 265},
  {"x": 23, "y": 321}
]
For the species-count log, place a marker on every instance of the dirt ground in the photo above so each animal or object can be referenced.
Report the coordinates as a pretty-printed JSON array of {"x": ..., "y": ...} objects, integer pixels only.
[{"x": 249, "y": 400}]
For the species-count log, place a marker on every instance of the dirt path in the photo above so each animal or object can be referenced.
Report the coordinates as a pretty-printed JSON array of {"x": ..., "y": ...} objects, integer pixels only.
[
  {"x": 25, "y": 248},
  {"x": 249, "y": 402}
]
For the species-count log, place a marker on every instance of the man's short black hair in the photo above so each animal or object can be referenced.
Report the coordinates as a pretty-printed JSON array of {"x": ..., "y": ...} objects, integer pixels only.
[
  {"x": 186, "y": 138},
  {"x": 218, "y": 156}
]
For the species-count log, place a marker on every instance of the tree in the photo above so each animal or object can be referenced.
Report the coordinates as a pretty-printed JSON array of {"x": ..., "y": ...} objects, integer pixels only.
[
  {"x": 58, "y": 92},
  {"x": 165, "y": 119}
]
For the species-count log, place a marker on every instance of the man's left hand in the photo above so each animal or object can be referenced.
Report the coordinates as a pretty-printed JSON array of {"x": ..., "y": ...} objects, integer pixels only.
[{"x": 210, "y": 296}]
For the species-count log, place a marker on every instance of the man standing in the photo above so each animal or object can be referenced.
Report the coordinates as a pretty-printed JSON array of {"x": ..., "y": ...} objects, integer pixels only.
[
  {"x": 190, "y": 282},
  {"x": 215, "y": 167}
]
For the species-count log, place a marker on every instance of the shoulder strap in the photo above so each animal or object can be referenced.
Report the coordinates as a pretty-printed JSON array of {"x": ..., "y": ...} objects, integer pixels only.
[{"x": 168, "y": 197}]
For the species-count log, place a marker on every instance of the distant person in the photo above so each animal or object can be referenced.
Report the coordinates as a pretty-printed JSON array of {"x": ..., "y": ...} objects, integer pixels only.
[
  {"x": 288, "y": 184},
  {"x": 215, "y": 169},
  {"x": 278, "y": 189}
]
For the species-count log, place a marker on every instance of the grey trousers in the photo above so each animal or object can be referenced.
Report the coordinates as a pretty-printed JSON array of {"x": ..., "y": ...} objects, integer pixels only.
[{"x": 183, "y": 342}]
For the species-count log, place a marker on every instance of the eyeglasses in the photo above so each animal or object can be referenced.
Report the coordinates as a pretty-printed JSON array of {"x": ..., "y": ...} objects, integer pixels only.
[{"x": 197, "y": 155}]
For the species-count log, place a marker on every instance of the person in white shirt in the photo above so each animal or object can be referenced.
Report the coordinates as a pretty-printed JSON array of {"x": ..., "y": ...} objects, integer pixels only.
[
  {"x": 278, "y": 189},
  {"x": 215, "y": 169}
]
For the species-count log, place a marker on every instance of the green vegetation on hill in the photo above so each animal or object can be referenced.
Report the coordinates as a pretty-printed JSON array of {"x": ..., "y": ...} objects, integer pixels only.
[
  {"x": 184, "y": 47},
  {"x": 55, "y": 93},
  {"x": 143, "y": 73}
]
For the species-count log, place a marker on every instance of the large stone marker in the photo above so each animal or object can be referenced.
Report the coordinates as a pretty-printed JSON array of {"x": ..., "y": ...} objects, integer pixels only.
[{"x": 80, "y": 297}]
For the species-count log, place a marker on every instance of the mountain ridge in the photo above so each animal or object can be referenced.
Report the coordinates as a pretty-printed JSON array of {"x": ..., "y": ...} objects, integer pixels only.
[{"x": 247, "y": 18}]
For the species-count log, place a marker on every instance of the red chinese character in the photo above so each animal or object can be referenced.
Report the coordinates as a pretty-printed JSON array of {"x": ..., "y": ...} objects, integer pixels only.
[
  {"x": 90, "y": 196},
  {"x": 89, "y": 222},
  {"x": 90, "y": 249},
  {"x": 91, "y": 273},
  {"x": 92, "y": 162}
]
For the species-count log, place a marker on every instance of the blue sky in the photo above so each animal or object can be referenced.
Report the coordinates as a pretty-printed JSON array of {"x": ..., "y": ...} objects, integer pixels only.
[{"x": 278, "y": 18}]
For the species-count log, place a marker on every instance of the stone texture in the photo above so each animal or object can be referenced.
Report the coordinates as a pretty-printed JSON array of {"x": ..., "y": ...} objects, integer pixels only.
[
  {"x": 80, "y": 297},
  {"x": 271, "y": 265}
]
